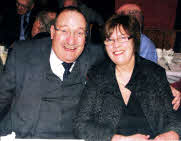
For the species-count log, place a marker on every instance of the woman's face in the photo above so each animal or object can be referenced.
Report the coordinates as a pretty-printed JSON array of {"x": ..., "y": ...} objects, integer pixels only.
[{"x": 119, "y": 47}]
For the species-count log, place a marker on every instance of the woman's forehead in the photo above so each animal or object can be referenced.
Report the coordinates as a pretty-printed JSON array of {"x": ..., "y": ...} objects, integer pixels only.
[{"x": 119, "y": 30}]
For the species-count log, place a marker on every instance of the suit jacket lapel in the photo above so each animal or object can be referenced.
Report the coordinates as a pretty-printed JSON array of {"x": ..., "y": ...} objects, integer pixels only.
[{"x": 79, "y": 72}]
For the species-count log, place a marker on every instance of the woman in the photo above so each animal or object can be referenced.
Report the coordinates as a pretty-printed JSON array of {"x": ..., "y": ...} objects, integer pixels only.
[{"x": 128, "y": 97}]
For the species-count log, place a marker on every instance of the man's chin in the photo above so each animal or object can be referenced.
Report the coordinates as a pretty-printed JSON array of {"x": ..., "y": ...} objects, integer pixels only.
[{"x": 20, "y": 12}]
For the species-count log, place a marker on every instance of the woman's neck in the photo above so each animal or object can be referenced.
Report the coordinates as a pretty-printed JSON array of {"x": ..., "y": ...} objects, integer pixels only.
[{"x": 124, "y": 72}]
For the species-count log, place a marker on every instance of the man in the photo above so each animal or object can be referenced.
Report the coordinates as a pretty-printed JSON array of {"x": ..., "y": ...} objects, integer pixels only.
[
  {"x": 42, "y": 24},
  {"x": 17, "y": 25},
  {"x": 147, "y": 47},
  {"x": 41, "y": 85}
]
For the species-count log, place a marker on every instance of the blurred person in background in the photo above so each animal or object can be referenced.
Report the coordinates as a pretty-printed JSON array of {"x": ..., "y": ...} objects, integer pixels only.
[
  {"x": 17, "y": 25},
  {"x": 42, "y": 24}
]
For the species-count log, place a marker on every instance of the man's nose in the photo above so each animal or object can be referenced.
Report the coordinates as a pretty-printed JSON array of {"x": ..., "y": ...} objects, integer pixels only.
[{"x": 71, "y": 39}]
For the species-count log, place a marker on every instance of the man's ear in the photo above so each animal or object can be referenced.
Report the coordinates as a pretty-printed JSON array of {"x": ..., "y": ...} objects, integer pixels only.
[{"x": 52, "y": 31}]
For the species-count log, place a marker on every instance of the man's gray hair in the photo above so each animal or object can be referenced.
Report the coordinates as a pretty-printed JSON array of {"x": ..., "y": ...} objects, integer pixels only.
[
  {"x": 45, "y": 21},
  {"x": 137, "y": 14}
]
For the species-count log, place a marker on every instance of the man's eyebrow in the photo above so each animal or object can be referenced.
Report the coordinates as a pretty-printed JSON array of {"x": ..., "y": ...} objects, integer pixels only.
[
  {"x": 83, "y": 28},
  {"x": 67, "y": 26},
  {"x": 62, "y": 25}
]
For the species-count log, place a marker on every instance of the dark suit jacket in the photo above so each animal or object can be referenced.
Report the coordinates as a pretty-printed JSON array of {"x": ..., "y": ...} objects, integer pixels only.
[
  {"x": 40, "y": 104},
  {"x": 100, "y": 108},
  {"x": 10, "y": 27},
  {"x": 41, "y": 35},
  {"x": 1, "y": 65}
]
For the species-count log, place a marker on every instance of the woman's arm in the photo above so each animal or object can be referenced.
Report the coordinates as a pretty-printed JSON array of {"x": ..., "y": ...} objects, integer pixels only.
[{"x": 172, "y": 127}]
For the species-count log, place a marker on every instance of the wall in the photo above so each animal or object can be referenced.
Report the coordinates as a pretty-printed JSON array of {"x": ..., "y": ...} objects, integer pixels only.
[{"x": 159, "y": 14}]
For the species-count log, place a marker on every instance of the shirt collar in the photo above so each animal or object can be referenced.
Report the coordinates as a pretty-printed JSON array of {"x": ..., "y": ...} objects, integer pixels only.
[{"x": 54, "y": 60}]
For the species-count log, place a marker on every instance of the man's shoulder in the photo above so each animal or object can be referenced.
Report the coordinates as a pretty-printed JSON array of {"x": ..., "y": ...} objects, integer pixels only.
[
  {"x": 146, "y": 40},
  {"x": 32, "y": 44},
  {"x": 31, "y": 47}
]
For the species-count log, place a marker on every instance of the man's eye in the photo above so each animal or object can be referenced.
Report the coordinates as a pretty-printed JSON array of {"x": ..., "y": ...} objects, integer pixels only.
[
  {"x": 80, "y": 33},
  {"x": 123, "y": 38},
  {"x": 109, "y": 40},
  {"x": 64, "y": 30}
]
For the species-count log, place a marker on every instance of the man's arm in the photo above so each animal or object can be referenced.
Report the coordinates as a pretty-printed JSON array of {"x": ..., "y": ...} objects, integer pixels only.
[
  {"x": 148, "y": 49},
  {"x": 177, "y": 98},
  {"x": 7, "y": 84}
]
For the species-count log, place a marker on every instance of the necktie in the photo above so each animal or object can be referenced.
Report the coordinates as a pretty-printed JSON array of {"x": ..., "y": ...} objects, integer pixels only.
[
  {"x": 67, "y": 67},
  {"x": 25, "y": 23}
]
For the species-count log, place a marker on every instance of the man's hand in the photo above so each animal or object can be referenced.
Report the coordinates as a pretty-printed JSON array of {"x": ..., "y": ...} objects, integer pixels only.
[
  {"x": 177, "y": 98},
  {"x": 135, "y": 137},
  {"x": 168, "y": 136}
]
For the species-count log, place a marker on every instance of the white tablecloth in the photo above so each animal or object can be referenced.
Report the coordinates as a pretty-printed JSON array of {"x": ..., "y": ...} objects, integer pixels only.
[
  {"x": 174, "y": 69},
  {"x": 11, "y": 137}
]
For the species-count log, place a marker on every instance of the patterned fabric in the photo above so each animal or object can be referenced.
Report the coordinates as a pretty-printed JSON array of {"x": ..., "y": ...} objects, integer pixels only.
[{"x": 100, "y": 107}]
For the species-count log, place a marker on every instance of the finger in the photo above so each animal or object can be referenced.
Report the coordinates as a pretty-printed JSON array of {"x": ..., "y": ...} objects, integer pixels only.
[
  {"x": 147, "y": 136},
  {"x": 176, "y": 106},
  {"x": 173, "y": 91},
  {"x": 157, "y": 138},
  {"x": 176, "y": 99}
]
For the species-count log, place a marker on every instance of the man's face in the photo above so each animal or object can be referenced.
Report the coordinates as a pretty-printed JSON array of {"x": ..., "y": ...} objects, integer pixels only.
[
  {"x": 68, "y": 35},
  {"x": 23, "y": 6},
  {"x": 52, "y": 15}
]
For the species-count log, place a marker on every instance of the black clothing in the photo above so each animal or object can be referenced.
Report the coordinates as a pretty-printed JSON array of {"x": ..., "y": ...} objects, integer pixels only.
[
  {"x": 101, "y": 109},
  {"x": 133, "y": 119},
  {"x": 41, "y": 35},
  {"x": 41, "y": 105},
  {"x": 10, "y": 27}
]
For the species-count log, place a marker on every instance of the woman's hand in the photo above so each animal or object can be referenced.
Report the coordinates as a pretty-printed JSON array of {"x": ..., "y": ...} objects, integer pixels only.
[
  {"x": 135, "y": 137},
  {"x": 177, "y": 97},
  {"x": 168, "y": 136}
]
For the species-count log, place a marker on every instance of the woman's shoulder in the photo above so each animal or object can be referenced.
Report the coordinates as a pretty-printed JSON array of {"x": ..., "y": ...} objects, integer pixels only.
[{"x": 149, "y": 67}]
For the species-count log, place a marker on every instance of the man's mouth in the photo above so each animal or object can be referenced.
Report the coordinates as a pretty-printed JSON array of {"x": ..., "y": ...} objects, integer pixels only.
[{"x": 70, "y": 48}]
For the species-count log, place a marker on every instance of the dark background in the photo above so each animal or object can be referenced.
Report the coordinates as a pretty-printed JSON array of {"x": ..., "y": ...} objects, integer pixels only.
[
  {"x": 105, "y": 7},
  {"x": 178, "y": 16}
]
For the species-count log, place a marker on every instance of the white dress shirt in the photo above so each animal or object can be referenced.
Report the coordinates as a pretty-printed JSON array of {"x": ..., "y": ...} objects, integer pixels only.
[{"x": 56, "y": 65}]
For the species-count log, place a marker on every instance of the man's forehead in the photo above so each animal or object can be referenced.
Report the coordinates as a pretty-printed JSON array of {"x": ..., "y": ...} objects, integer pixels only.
[
  {"x": 24, "y": 1},
  {"x": 71, "y": 16}
]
